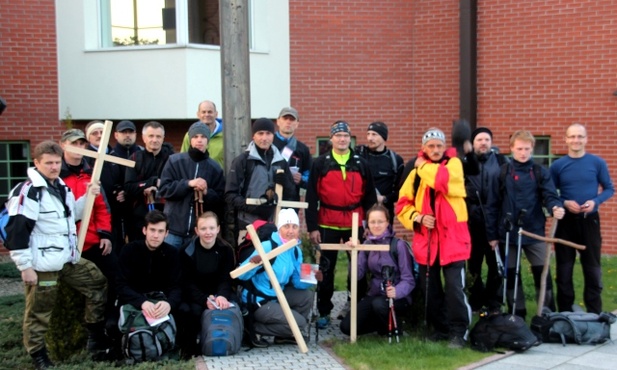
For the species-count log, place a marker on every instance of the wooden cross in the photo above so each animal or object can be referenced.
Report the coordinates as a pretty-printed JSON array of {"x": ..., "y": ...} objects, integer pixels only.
[
  {"x": 353, "y": 333},
  {"x": 101, "y": 157},
  {"x": 551, "y": 240},
  {"x": 265, "y": 261},
  {"x": 278, "y": 189}
]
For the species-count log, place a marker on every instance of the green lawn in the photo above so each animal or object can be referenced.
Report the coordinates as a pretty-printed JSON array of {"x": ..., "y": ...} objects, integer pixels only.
[{"x": 370, "y": 352}]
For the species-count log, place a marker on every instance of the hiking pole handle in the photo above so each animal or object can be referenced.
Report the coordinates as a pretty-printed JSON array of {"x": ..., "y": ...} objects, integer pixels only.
[
  {"x": 521, "y": 216},
  {"x": 507, "y": 222}
]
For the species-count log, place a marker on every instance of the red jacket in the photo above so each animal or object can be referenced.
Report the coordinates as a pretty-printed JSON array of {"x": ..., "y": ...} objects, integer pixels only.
[
  {"x": 450, "y": 237},
  {"x": 100, "y": 220}
]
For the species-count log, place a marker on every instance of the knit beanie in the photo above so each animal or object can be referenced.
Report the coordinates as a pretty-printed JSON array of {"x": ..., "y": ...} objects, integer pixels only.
[
  {"x": 339, "y": 126},
  {"x": 480, "y": 130},
  {"x": 199, "y": 128},
  {"x": 380, "y": 128},
  {"x": 287, "y": 216},
  {"x": 263, "y": 124},
  {"x": 432, "y": 134}
]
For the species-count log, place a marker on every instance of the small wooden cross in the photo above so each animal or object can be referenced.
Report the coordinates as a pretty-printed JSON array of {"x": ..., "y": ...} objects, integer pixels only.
[
  {"x": 265, "y": 260},
  {"x": 278, "y": 189},
  {"x": 353, "y": 333},
  {"x": 101, "y": 157}
]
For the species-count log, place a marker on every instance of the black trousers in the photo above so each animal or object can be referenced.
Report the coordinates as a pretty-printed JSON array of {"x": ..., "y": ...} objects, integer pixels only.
[
  {"x": 326, "y": 287},
  {"x": 480, "y": 294},
  {"x": 373, "y": 314},
  {"x": 586, "y": 231}
]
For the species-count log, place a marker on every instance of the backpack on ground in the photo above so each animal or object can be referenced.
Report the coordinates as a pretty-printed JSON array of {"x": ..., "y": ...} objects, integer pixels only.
[
  {"x": 502, "y": 330},
  {"x": 142, "y": 341},
  {"x": 576, "y": 327},
  {"x": 221, "y": 332}
]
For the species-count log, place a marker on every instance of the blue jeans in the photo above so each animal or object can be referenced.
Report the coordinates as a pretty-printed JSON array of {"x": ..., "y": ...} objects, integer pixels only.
[{"x": 177, "y": 240}]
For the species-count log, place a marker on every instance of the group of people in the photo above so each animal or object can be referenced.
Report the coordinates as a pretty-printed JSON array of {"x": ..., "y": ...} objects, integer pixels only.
[{"x": 158, "y": 226}]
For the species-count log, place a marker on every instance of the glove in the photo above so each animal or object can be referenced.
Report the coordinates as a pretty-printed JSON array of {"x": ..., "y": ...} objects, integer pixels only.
[{"x": 280, "y": 178}]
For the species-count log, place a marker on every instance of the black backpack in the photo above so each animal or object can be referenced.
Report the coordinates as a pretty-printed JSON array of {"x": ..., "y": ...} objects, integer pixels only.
[
  {"x": 502, "y": 330},
  {"x": 246, "y": 247},
  {"x": 415, "y": 269}
]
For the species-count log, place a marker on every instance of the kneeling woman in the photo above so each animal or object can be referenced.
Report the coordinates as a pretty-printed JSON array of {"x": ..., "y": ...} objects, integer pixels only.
[
  {"x": 373, "y": 309},
  {"x": 206, "y": 263}
]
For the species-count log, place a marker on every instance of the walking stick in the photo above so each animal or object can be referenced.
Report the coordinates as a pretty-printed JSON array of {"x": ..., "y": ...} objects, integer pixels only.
[
  {"x": 317, "y": 260},
  {"x": 199, "y": 203},
  {"x": 547, "y": 261},
  {"x": 508, "y": 225},
  {"x": 391, "y": 322},
  {"x": 150, "y": 202},
  {"x": 426, "y": 278},
  {"x": 518, "y": 257}
]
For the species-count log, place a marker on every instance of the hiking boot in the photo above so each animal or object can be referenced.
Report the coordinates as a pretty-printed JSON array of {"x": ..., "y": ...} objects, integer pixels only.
[
  {"x": 41, "y": 360},
  {"x": 344, "y": 311},
  {"x": 437, "y": 336},
  {"x": 254, "y": 340},
  {"x": 97, "y": 339},
  {"x": 456, "y": 342},
  {"x": 323, "y": 322},
  {"x": 285, "y": 340}
]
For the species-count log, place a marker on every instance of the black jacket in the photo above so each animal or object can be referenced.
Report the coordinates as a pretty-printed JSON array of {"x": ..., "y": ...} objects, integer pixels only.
[
  {"x": 144, "y": 271},
  {"x": 179, "y": 196},
  {"x": 206, "y": 271}
]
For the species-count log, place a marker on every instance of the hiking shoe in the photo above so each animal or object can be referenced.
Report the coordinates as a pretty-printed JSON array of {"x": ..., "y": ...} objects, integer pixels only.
[
  {"x": 285, "y": 340},
  {"x": 257, "y": 341},
  {"x": 456, "y": 342},
  {"x": 437, "y": 336},
  {"x": 41, "y": 360},
  {"x": 344, "y": 311},
  {"x": 323, "y": 322}
]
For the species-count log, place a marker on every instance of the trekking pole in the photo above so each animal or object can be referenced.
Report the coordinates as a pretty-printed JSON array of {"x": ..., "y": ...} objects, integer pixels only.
[
  {"x": 393, "y": 320},
  {"x": 521, "y": 215},
  {"x": 314, "y": 309},
  {"x": 508, "y": 225},
  {"x": 426, "y": 278},
  {"x": 150, "y": 202}
]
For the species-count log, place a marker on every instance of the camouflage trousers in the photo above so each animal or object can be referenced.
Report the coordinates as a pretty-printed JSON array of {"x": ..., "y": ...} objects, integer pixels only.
[{"x": 84, "y": 277}]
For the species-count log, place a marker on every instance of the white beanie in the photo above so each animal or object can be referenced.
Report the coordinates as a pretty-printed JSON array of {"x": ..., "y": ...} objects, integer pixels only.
[{"x": 287, "y": 216}]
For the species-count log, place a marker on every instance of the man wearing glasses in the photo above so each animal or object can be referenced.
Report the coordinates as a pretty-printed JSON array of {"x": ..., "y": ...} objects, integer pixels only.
[{"x": 579, "y": 176}]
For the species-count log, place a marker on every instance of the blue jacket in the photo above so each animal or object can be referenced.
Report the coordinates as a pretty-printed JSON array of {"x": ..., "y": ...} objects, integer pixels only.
[{"x": 286, "y": 268}]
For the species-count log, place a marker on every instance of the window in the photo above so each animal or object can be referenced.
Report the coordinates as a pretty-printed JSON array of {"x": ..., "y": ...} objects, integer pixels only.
[
  {"x": 204, "y": 22},
  {"x": 542, "y": 153},
  {"x": 138, "y": 22},
  {"x": 324, "y": 145},
  {"x": 161, "y": 22},
  {"x": 14, "y": 163}
]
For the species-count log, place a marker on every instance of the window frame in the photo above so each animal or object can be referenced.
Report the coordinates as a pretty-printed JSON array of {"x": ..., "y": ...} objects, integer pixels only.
[{"x": 12, "y": 179}]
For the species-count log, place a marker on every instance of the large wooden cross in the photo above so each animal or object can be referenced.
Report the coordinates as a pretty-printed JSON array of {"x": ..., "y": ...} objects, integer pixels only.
[
  {"x": 265, "y": 261},
  {"x": 354, "y": 248},
  {"x": 278, "y": 189},
  {"x": 101, "y": 157}
]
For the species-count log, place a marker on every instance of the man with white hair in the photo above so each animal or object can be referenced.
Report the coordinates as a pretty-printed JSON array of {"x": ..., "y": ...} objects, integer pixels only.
[
  {"x": 269, "y": 318},
  {"x": 432, "y": 204}
]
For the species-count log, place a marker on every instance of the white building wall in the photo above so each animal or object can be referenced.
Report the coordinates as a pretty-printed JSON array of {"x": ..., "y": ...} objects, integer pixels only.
[{"x": 167, "y": 81}]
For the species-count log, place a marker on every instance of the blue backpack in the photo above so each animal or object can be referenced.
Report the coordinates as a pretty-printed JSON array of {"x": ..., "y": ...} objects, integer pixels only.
[
  {"x": 4, "y": 219},
  {"x": 221, "y": 332},
  {"x": 4, "y": 214}
]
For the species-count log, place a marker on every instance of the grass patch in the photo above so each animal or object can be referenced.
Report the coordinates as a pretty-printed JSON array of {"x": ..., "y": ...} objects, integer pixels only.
[
  {"x": 374, "y": 352},
  {"x": 8, "y": 270}
]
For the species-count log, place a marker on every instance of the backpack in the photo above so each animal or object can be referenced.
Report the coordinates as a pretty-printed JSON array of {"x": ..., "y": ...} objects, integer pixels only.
[
  {"x": 415, "y": 268},
  {"x": 221, "y": 332},
  {"x": 502, "y": 330},
  {"x": 142, "y": 341},
  {"x": 4, "y": 214},
  {"x": 246, "y": 248},
  {"x": 577, "y": 327}
]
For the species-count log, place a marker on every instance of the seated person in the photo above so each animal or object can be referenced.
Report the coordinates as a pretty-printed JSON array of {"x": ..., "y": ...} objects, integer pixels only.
[
  {"x": 260, "y": 297},
  {"x": 150, "y": 267},
  {"x": 373, "y": 309},
  {"x": 206, "y": 263}
]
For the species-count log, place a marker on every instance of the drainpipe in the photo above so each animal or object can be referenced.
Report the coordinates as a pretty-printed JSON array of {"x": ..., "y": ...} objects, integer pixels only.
[{"x": 468, "y": 94}]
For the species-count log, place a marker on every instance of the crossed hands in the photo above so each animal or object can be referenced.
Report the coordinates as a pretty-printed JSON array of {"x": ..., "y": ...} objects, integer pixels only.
[{"x": 156, "y": 310}]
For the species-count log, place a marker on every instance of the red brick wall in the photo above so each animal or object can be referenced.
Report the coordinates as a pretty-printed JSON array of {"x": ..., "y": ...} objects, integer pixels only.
[
  {"x": 362, "y": 61},
  {"x": 29, "y": 71},
  {"x": 546, "y": 66}
]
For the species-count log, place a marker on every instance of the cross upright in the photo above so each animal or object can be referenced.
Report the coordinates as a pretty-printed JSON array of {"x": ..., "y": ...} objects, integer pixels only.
[
  {"x": 101, "y": 157},
  {"x": 354, "y": 249},
  {"x": 265, "y": 261},
  {"x": 278, "y": 189}
]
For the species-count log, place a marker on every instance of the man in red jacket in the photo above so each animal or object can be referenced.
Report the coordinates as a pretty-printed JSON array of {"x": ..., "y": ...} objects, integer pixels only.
[{"x": 76, "y": 173}]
